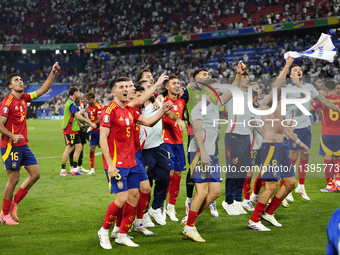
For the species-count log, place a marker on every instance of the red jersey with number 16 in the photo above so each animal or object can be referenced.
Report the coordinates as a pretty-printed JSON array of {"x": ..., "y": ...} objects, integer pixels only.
[
  {"x": 121, "y": 138},
  {"x": 15, "y": 111},
  {"x": 94, "y": 112},
  {"x": 172, "y": 134},
  {"x": 330, "y": 118}
]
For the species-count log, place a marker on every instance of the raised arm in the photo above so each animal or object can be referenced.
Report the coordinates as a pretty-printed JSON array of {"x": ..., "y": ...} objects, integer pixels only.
[
  {"x": 48, "y": 83},
  {"x": 147, "y": 94},
  {"x": 150, "y": 122}
]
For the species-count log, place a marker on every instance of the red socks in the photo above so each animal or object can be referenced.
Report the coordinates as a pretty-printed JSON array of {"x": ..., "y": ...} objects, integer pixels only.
[
  {"x": 259, "y": 209},
  {"x": 119, "y": 217},
  {"x": 21, "y": 193},
  {"x": 302, "y": 170},
  {"x": 258, "y": 184},
  {"x": 174, "y": 189},
  {"x": 6, "y": 205},
  {"x": 111, "y": 215},
  {"x": 92, "y": 159},
  {"x": 273, "y": 205},
  {"x": 129, "y": 213},
  {"x": 328, "y": 171},
  {"x": 336, "y": 167},
  {"x": 247, "y": 188},
  {"x": 142, "y": 204},
  {"x": 192, "y": 218}
]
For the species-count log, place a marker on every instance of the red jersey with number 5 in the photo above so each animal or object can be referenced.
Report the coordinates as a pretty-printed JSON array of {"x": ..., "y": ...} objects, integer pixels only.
[
  {"x": 15, "y": 111},
  {"x": 121, "y": 138},
  {"x": 330, "y": 118},
  {"x": 172, "y": 134},
  {"x": 94, "y": 112}
]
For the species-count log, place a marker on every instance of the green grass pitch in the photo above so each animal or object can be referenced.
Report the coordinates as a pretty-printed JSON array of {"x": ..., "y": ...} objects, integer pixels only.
[{"x": 61, "y": 215}]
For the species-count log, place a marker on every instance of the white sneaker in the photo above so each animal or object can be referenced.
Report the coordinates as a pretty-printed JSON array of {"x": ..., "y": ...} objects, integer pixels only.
[
  {"x": 192, "y": 233},
  {"x": 270, "y": 218},
  {"x": 104, "y": 240},
  {"x": 230, "y": 208},
  {"x": 254, "y": 198},
  {"x": 257, "y": 226},
  {"x": 147, "y": 222},
  {"x": 171, "y": 214},
  {"x": 213, "y": 209},
  {"x": 238, "y": 207},
  {"x": 285, "y": 203},
  {"x": 123, "y": 239},
  {"x": 290, "y": 197},
  {"x": 248, "y": 205},
  {"x": 82, "y": 169},
  {"x": 141, "y": 228},
  {"x": 184, "y": 221},
  {"x": 91, "y": 172},
  {"x": 157, "y": 215},
  {"x": 301, "y": 190}
]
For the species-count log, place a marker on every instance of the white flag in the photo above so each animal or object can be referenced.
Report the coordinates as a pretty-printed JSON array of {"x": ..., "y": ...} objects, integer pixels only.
[{"x": 323, "y": 49}]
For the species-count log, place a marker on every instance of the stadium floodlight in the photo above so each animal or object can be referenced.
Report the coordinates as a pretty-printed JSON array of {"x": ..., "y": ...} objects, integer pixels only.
[
  {"x": 34, "y": 51},
  {"x": 23, "y": 51},
  {"x": 57, "y": 52},
  {"x": 65, "y": 51}
]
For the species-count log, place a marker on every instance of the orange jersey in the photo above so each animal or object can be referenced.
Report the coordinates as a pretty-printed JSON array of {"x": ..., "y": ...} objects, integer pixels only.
[
  {"x": 94, "y": 112},
  {"x": 330, "y": 118},
  {"x": 171, "y": 134}
]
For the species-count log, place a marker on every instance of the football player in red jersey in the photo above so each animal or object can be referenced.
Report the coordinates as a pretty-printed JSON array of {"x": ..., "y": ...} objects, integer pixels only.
[
  {"x": 330, "y": 140},
  {"x": 173, "y": 139},
  {"x": 117, "y": 143},
  {"x": 94, "y": 111},
  {"x": 14, "y": 149}
]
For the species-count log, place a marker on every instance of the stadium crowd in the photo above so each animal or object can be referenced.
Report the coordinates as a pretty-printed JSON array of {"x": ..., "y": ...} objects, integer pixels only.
[{"x": 30, "y": 22}]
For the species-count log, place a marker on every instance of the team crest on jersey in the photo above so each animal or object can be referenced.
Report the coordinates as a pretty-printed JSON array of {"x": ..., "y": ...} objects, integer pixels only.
[
  {"x": 203, "y": 175},
  {"x": 130, "y": 116},
  {"x": 127, "y": 121},
  {"x": 5, "y": 110},
  {"x": 175, "y": 107},
  {"x": 14, "y": 165},
  {"x": 120, "y": 185},
  {"x": 106, "y": 118},
  {"x": 235, "y": 161},
  {"x": 180, "y": 104}
]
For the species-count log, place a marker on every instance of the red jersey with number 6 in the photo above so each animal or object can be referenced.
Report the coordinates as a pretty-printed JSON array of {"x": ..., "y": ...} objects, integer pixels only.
[
  {"x": 94, "y": 112},
  {"x": 172, "y": 134},
  {"x": 121, "y": 138},
  {"x": 15, "y": 111},
  {"x": 330, "y": 118}
]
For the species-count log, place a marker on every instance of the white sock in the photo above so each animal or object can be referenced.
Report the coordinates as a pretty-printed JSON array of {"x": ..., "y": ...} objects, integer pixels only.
[
  {"x": 106, "y": 231},
  {"x": 246, "y": 200},
  {"x": 302, "y": 186},
  {"x": 137, "y": 222},
  {"x": 92, "y": 169},
  {"x": 189, "y": 199},
  {"x": 188, "y": 227},
  {"x": 171, "y": 207},
  {"x": 121, "y": 235},
  {"x": 115, "y": 229}
]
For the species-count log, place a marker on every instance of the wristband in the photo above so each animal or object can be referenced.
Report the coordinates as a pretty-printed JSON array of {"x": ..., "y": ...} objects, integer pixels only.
[
  {"x": 178, "y": 118},
  {"x": 297, "y": 141}
]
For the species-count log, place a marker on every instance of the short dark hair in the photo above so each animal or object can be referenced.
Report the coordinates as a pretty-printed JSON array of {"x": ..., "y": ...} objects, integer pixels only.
[
  {"x": 90, "y": 95},
  {"x": 115, "y": 81},
  {"x": 330, "y": 85},
  {"x": 291, "y": 68},
  {"x": 126, "y": 78},
  {"x": 139, "y": 88},
  {"x": 140, "y": 83},
  {"x": 72, "y": 90},
  {"x": 9, "y": 78},
  {"x": 171, "y": 77},
  {"x": 198, "y": 71},
  {"x": 140, "y": 74}
]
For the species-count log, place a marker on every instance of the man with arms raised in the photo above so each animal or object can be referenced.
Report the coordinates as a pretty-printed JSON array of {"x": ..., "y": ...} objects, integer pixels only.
[
  {"x": 274, "y": 159},
  {"x": 14, "y": 149}
]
